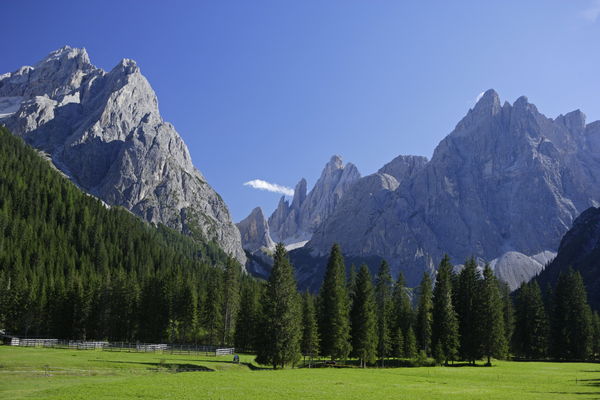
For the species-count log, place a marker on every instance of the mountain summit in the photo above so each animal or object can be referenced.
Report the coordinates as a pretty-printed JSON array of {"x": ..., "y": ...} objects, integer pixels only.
[
  {"x": 105, "y": 132},
  {"x": 503, "y": 186}
]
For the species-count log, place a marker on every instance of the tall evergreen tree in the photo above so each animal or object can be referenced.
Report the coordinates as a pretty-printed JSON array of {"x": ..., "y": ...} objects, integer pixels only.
[
  {"x": 466, "y": 307},
  {"x": 490, "y": 321},
  {"x": 364, "y": 319},
  {"x": 334, "y": 322},
  {"x": 282, "y": 315},
  {"x": 530, "y": 338},
  {"x": 213, "y": 310},
  {"x": 410, "y": 344},
  {"x": 596, "y": 337},
  {"x": 424, "y": 315},
  {"x": 248, "y": 319},
  {"x": 383, "y": 295},
  {"x": 231, "y": 299},
  {"x": 507, "y": 311},
  {"x": 572, "y": 319},
  {"x": 310, "y": 331},
  {"x": 402, "y": 313},
  {"x": 444, "y": 333}
]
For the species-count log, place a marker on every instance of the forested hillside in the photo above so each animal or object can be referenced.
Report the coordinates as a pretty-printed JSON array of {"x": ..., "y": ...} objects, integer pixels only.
[{"x": 72, "y": 268}]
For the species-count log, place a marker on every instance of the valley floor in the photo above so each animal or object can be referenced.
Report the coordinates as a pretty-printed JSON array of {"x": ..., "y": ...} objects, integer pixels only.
[{"x": 29, "y": 373}]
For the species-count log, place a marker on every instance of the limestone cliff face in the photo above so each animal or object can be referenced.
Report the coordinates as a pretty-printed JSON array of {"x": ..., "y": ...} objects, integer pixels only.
[
  {"x": 507, "y": 179},
  {"x": 296, "y": 222},
  {"x": 254, "y": 230},
  {"x": 105, "y": 132}
]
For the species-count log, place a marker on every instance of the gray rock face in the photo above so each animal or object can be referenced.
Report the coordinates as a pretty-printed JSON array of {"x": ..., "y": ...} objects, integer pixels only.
[
  {"x": 507, "y": 179},
  {"x": 104, "y": 131},
  {"x": 254, "y": 230},
  {"x": 296, "y": 222}
]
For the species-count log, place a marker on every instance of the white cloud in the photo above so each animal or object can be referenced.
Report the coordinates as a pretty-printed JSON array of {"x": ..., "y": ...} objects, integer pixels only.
[
  {"x": 592, "y": 13},
  {"x": 479, "y": 96},
  {"x": 270, "y": 187}
]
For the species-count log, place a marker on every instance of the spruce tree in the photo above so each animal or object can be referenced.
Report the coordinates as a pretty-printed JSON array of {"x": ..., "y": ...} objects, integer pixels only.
[
  {"x": 398, "y": 343},
  {"x": 246, "y": 328},
  {"x": 424, "y": 315},
  {"x": 364, "y": 319},
  {"x": 383, "y": 295},
  {"x": 572, "y": 319},
  {"x": 466, "y": 307},
  {"x": 530, "y": 339},
  {"x": 334, "y": 323},
  {"x": 445, "y": 324},
  {"x": 231, "y": 299},
  {"x": 490, "y": 321},
  {"x": 410, "y": 344},
  {"x": 596, "y": 337},
  {"x": 310, "y": 331},
  {"x": 507, "y": 311},
  {"x": 402, "y": 313},
  {"x": 282, "y": 315}
]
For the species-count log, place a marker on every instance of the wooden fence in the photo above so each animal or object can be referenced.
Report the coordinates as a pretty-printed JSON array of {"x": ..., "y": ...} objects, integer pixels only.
[{"x": 125, "y": 346}]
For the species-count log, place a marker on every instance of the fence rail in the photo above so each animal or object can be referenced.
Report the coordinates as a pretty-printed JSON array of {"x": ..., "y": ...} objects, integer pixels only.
[{"x": 124, "y": 346}]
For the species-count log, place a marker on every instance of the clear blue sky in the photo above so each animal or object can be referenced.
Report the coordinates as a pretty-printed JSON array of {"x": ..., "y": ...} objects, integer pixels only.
[{"x": 271, "y": 89}]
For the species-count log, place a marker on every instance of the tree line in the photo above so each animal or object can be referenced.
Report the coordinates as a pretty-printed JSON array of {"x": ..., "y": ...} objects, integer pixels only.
[
  {"x": 465, "y": 316},
  {"x": 71, "y": 268}
]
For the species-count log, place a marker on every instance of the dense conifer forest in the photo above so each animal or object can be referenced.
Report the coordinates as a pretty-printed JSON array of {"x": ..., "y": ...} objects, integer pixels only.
[
  {"x": 70, "y": 267},
  {"x": 73, "y": 268}
]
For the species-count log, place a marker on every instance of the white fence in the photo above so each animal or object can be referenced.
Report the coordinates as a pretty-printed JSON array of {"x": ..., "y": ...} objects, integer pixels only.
[
  {"x": 34, "y": 342},
  {"x": 223, "y": 352},
  {"x": 124, "y": 346}
]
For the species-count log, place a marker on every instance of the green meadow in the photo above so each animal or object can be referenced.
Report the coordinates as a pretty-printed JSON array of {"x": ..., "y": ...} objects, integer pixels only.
[{"x": 30, "y": 373}]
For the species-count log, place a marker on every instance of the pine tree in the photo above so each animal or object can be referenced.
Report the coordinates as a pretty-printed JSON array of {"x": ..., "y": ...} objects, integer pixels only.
[
  {"x": 310, "y": 331},
  {"x": 402, "y": 314},
  {"x": 383, "y": 295},
  {"x": 398, "y": 343},
  {"x": 445, "y": 324},
  {"x": 231, "y": 300},
  {"x": 424, "y": 315},
  {"x": 334, "y": 323},
  {"x": 410, "y": 344},
  {"x": 572, "y": 319},
  {"x": 596, "y": 337},
  {"x": 508, "y": 312},
  {"x": 466, "y": 307},
  {"x": 213, "y": 310},
  {"x": 248, "y": 319},
  {"x": 531, "y": 323},
  {"x": 490, "y": 321},
  {"x": 364, "y": 319},
  {"x": 281, "y": 331}
]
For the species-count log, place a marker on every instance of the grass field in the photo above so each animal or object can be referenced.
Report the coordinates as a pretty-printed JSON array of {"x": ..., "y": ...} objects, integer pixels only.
[{"x": 29, "y": 373}]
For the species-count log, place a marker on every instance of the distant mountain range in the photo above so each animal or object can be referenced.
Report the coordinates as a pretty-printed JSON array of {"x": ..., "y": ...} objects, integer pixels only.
[
  {"x": 504, "y": 187},
  {"x": 105, "y": 132}
]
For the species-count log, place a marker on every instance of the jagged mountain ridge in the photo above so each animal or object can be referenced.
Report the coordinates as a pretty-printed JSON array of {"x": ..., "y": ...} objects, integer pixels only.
[
  {"x": 507, "y": 179},
  {"x": 295, "y": 222},
  {"x": 104, "y": 131}
]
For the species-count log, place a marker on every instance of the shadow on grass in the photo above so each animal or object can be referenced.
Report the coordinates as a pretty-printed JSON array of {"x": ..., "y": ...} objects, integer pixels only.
[{"x": 165, "y": 366}]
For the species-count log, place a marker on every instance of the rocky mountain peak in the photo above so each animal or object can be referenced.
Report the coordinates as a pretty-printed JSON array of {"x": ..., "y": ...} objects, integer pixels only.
[
  {"x": 299, "y": 194},
  {"x": 105, "y": 132},
  {"x": 488, "y": 104},
  {"x": 573, "y": 121},
  {"x": 504, "y": 185},
  {"x": 403, "y": 167},
  {"x": 254, "y": 231},
  {"x": 296, "y": 223}
]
